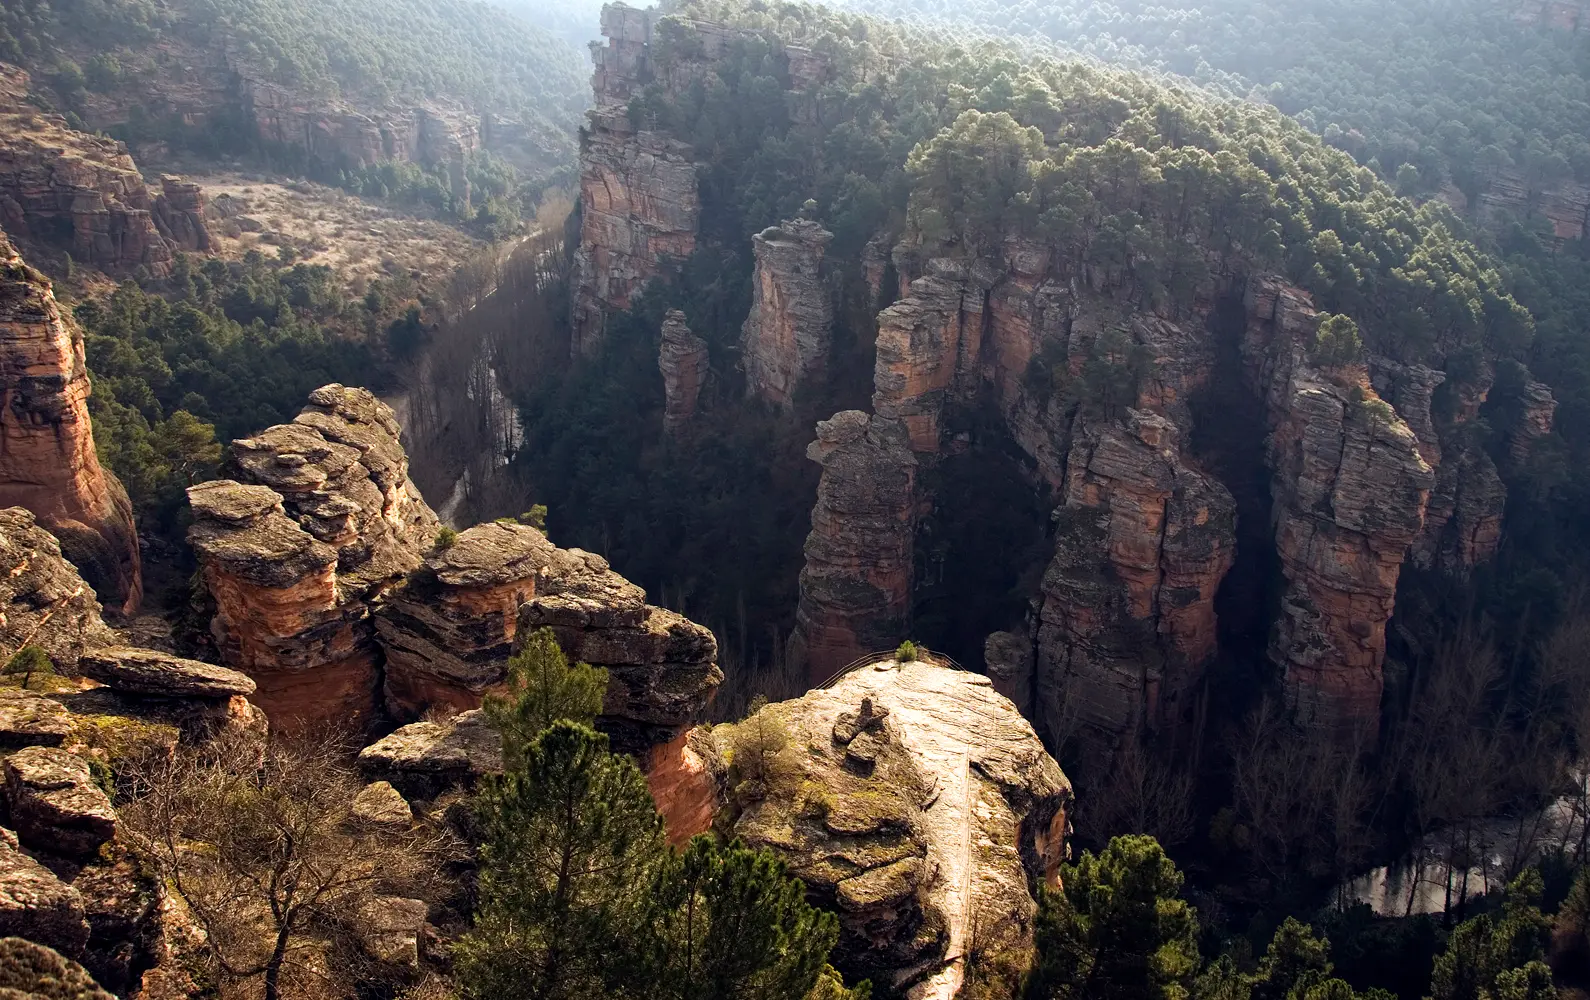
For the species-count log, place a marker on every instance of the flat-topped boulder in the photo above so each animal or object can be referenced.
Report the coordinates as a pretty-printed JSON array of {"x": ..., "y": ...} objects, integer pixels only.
[
  {"x": 148, "y": 672},
  {"x": 379, "y": 804},
  {"x": 55, "y": 805},
  {"x": 423, "y": 759},
  {"x": 28, "y": 719}
]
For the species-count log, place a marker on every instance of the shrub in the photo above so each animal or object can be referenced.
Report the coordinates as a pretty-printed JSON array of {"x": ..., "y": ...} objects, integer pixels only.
[
  {"x": 535, "y": 517},
  {"x": 755, "y": 744},
  {"x": 907, "y": 652},
  {"x": 446, "y": 539}
]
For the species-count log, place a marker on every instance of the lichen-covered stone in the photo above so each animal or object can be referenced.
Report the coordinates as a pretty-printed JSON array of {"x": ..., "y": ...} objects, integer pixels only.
[
  {"x": 47, "y": 462},
  {"x": 34, "y": 902},
  {"x": 55, "y": 806},
  {"x": 43, "y": 600},
  {"x": 916, "y": 802},
  {"x": 379, "y": 804},
  {"x": 423, "y": 759},
  {"x": 28, "y": 719},
  {"x": 31, "y": 971}
]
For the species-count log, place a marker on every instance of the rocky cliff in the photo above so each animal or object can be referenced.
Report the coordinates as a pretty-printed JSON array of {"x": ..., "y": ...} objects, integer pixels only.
[
  {"x": 788, "y": 335},
  {"x": 683, "y": 360},
  {"x": 47, "y": 459},
  {"x": 1350, "y": 489},
  {"x": 334, "y": 589},
  {"x": 855, "y": 588},
  {"x": 638, "y": 200},
  {"x": 79, "y": 193},
  {"x": 1123, "y": 623},
  {"x": 915, "y": 802}
]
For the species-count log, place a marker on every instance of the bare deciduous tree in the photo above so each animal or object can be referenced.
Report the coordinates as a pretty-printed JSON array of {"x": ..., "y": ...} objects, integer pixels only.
[{"x": 262, "y": 847}]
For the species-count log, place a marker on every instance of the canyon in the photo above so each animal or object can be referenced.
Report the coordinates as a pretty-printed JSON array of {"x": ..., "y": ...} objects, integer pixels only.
[{"x": 1159, "y": 499}]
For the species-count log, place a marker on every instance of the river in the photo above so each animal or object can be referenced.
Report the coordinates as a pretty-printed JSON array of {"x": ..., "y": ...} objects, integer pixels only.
[{"x": 1465, "y": 861}]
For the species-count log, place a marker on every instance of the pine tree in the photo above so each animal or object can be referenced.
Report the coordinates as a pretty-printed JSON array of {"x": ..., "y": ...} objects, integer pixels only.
[
  {"x": 1295, "y": 961},
  {"x": 737, "y": 924},
  {"x": 1490, "y": 956},
  {"x": 542, "y": 689},
  {"x": 1117, "y": 930},
  {"x": 572, "y": 839}
]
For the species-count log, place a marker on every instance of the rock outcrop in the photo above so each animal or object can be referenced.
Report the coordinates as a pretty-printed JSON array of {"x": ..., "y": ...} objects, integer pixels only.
[
  {"x": 296, "y": 555},
  {"x": 334, "y": 593},
  {"x": 33, "y": 901},
  {"x": 1350, "y": 489},
  {"x": 855, "y": 588},
  {"x": 684, "y": 363},
  {"x": 424, "y": 759},
  {"x": 448, "y": 633},
  {"x": 787, "y": 337},
  {"x": 179, "y": 214},
  {"x": 79, "y": 192},
  {"x": 43, "y": 600},
  {"x": 920, "y": 806},
  {"x": 54, "y": 803},
  {"x": 47, "y": 459},
  {"x": 1142, "y": 542},
  {"x": 638, "y": 200}
]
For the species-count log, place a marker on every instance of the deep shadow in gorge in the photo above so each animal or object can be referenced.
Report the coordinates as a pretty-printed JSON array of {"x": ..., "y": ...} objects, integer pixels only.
[
  {"x": 1228, "y": 440},
  {"x": 982, "y": 551}
]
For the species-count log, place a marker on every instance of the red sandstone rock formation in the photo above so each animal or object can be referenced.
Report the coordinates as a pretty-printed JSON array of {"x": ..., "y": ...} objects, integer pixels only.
[
  {"x": 637, "y": 188},
  {"x": 330, "y": 590},
  {"x": 1126, "y": 621},
  {"x": 80, "y": 191},
  {"x": 684, "y": 364},
  {"x": 179, "y": 214},
  {"x": 295, "y": 556},
  {"x": 855, "y": 589},
  {"x": 787, "y": 337},
  {"x": 1350, "y": 490},
  {"x": 47, "y": 458}
]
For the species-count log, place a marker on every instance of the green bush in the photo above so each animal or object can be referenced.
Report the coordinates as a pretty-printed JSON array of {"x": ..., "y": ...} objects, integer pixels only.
[
  {"x": 1336, "y": 342},
  {"x": 29, "y": 660},
  {"x": 907, "y": 652},
  {"x": 446, "y": 539}
]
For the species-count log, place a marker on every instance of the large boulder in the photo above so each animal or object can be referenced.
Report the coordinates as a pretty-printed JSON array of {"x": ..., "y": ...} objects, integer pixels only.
[
  {"x": 424, "y": 759},
  {"x": 28, "y": 719},
  {"x": 916, "y": 802},
  {"x": 148, "y": 672},
  {"x": 54, "y": 803}
]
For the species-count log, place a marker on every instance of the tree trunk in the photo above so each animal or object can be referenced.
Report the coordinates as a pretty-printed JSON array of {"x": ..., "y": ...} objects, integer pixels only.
[{"x": 273, "y": 968}]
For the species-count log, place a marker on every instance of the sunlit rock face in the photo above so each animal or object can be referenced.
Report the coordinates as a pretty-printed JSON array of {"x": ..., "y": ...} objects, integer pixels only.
[
  {"x": 788, "y": 335},
  {"x": 913, "y": 800},
  {"x": 47, "y": 462}
]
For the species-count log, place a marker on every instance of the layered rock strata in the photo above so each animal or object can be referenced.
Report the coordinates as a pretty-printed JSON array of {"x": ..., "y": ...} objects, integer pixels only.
[
  {"x": 684, "y": 362},
  {"x": 855, "y": 587},
  {"x": 78, "y": 192},
  {"x": 335, "y": 591},
  {"x": 788, "y": 335},
  {"x": 916, "y": 803},
  {"x": 1126, "y": 618},
  {"x": 47, "y": 462},
  {"x": 296, "y": 555},
  {"x": 1350, "y": 489},
  {"x": 638, "y": 200},
  {"x": 448, "y": 633},
  {"x": 179, "y": 214}
]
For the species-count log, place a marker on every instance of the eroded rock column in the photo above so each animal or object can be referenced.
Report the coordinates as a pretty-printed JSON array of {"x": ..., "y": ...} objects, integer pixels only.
[
  {"x": 684, "y": 363},
  {"x": 47, "y": 459},
  {"x": 789, "y": 333},
  {"x": 855, "y": 589}
]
